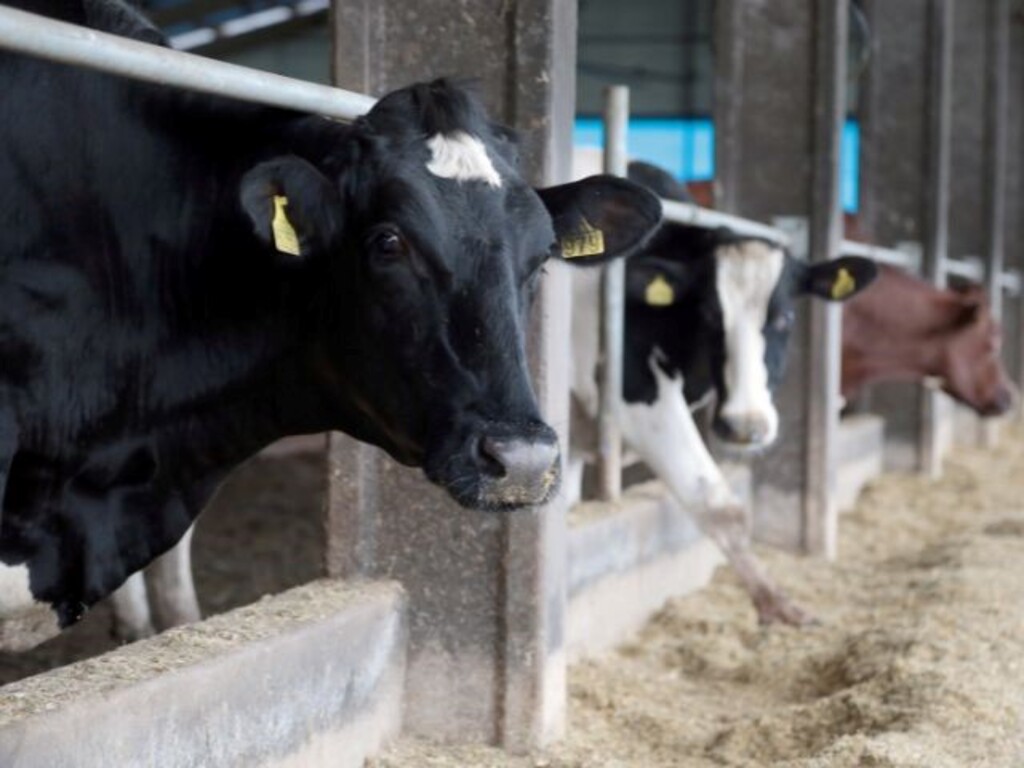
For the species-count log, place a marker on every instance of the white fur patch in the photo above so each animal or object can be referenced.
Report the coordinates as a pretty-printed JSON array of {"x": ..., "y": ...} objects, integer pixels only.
[
  {"x": 746, "y": 276},
  {"x": 15, "y": 595},
  {"x": 24, "y": 621},
  {"x": 461, "y": 157},
  {"x": 666, "y": 437}
]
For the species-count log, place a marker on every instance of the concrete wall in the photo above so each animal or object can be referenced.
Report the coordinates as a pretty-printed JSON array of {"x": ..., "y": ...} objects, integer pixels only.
[{"x": 312, "y": 677}]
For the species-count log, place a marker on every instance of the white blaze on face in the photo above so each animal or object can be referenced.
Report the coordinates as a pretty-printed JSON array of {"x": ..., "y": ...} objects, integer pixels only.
[
  {"x": 746, "y": 276},
  {"x": 461, "y": 157}
]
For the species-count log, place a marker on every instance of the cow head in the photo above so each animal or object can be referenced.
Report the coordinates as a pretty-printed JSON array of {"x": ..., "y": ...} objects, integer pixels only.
[
  {"x": 972, "y": 365},
  {"x": 424, "y": 248},
  {"x": 737, "y": 297}
]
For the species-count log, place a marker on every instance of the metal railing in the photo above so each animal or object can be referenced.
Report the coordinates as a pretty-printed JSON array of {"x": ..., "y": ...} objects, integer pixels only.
[
  {"x": 38, "y": 36},
  {"x": 909, "y": 258},
  {"x": 905, "y": 258},
  {"x": 694, "y": 215}
]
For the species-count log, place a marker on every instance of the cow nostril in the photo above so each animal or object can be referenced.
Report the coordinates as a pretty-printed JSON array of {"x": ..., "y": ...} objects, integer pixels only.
[
  {"x": 489, "y": 452},
  {"x": 520, "y": 460}
]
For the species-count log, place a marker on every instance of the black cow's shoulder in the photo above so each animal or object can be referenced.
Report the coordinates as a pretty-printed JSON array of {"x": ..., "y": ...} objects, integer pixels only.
[{"x": 117, "y": 17}]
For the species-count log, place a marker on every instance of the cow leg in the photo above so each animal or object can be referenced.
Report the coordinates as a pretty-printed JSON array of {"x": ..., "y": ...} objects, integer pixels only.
[
  {"x": 8, "y": 447},
  {"x": 171, "y": 590},
  {"x": 665, "y": 436},
  {"x": 132, "y": 620},
  {"x": 574, "y": 480}
]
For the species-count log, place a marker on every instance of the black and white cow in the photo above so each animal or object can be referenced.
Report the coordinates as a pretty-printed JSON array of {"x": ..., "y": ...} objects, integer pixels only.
[
  {"x": 184, "y": 279},
  {"x": 708, "y": 319}
]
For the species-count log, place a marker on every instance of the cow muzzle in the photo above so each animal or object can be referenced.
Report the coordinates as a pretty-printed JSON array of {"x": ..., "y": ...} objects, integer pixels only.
[
  {"x": 500, "y": 468},
  {"x": 747, "y": 430},
  {"x": 520, "y": 472}
]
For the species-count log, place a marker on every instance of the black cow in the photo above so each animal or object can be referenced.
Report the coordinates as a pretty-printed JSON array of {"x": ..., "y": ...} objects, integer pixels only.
[
  {"x": 708, "y": 318},
  {"x": 184, "y": 279}
]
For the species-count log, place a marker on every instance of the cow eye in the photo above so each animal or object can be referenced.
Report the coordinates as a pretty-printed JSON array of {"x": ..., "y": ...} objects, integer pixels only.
[
  {"x": 783, "y": 321},
  {"x": 387, "y": 243}
]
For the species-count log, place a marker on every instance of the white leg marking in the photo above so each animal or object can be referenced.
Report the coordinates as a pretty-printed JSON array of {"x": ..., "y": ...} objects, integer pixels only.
[
  {"x": 665, "y": 436},
  {"x": 131, "y": 610},
  {"x": 24, "y": 621},
  {"x": 15, "y": 595},
  {"x": 461, "y": 157},
  {"x": 171, "y": 589},
  {"x": 746, "y": 276},
  {"x": 667, "y": 439}
]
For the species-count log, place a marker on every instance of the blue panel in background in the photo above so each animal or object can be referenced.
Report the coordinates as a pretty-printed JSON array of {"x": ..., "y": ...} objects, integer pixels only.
[{"x": 685, "y": 147}]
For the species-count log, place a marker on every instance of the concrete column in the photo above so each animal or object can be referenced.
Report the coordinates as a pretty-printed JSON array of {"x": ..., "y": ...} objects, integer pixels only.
[
  {"x": 780, "y": 99},
  {"x": 896, "y": 124},
  {"x": 486, "y": 592},
  {"x": 1014, "y": 320},
  {"x": 979, "y": 128}
]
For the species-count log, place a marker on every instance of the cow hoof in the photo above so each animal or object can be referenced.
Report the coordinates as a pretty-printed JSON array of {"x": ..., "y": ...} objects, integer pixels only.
[{"x": 779, "y": 609}]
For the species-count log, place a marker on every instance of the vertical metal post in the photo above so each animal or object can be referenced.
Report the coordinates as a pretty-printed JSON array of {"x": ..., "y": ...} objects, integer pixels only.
[
  {"x": 616, "y": 120},
  {"x": 996, "y": 159},
  {"x": 820, "y": 509},
  {"x": 936, "y": 240}
]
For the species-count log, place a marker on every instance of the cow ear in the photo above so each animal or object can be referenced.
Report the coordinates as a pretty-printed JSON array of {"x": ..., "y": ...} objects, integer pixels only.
[
  {"x": 838, "y": 279},
  {"x": 655, "y": 282},
  {"x": 292, "y": 206},
  {"x": 600, "y": 218}
]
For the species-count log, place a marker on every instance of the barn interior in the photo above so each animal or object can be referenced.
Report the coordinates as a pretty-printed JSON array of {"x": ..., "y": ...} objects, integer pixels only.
[{"x": 354, "y": 615}]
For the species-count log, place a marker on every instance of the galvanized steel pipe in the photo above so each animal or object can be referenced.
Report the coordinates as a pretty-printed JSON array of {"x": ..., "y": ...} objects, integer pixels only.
[
  {"x": 35, "y": 35},
  {"x": 613, "y": 290}
]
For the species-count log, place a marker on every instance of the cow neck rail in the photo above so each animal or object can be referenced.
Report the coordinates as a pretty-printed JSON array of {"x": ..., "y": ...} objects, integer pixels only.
[
  {"x": 905, "y": 259},
  {"x": 694, "y": 215},
  {"x": 38, "y": 36}
]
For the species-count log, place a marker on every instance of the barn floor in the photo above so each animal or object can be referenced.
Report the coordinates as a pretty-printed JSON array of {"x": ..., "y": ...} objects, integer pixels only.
[
  {"x": 918, "y": 660},
  {"x": 261, "y": 535}
]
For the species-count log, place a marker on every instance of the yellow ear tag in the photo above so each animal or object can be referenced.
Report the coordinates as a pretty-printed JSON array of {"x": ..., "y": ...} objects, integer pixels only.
[
  {"x": 285, "y": 239},
  {"x": 844, "y": 285},
  {"x": 589, "y": 241},
  {"x": 659, "y": 293}
]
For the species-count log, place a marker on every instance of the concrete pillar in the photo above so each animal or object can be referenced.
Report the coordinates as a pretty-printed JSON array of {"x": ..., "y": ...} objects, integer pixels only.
[
  {"x": 1014, "y": 320},
  {"x": 897, "y": 112},
  {"x": 780, "y": 100},
  {"x": 978, "y": 151},
  {"x": 486, "y": 592}
]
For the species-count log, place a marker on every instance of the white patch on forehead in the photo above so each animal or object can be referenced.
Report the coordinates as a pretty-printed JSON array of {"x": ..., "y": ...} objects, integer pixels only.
[
  {"x": 461, "y": 157},
  {"x": 746, "y": 276}
]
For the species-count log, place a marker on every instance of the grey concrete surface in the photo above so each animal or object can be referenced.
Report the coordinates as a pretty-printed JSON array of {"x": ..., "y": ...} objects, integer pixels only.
[
  {"x": 487, "y": 592},
  {"x": 860, "y": 450},
  {"x": 779, "y": 104},
  {"x": 311, "y": 677}
]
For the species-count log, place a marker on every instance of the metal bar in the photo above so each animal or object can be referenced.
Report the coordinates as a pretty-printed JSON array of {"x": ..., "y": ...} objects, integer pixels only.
[
  {"x": 820, "y": 513},
  {"x": 688, "y": 213},
  {"x": 998, "y": 139},
  {"x": 35, "y": 35},
  {"x": 936, "y": 235},
  {"x": 893, "y": 256},
  {"x": 969, "y": 268},
  {"x": 613, "y": 290},
  {"x": 1010, "y": 282}
]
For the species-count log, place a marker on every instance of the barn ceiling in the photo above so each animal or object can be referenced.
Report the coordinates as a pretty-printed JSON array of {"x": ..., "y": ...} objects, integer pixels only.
[{"x": 216, "y": 26}]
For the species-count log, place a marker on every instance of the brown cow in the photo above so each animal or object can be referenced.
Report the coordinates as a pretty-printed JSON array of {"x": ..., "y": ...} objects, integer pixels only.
[{"x": 904, "y": 329}]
